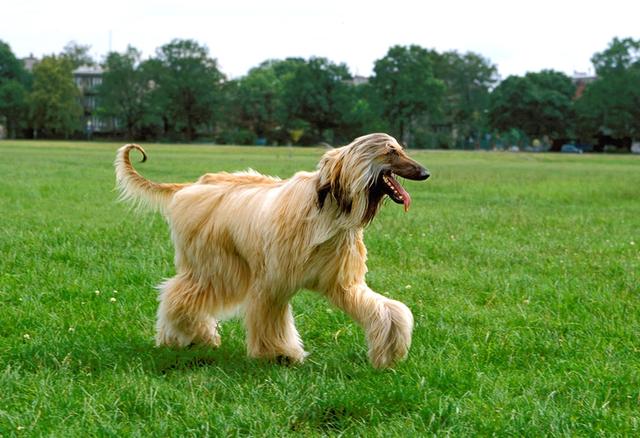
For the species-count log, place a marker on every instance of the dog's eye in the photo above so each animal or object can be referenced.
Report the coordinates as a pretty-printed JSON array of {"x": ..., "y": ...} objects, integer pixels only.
[{"x": 392, "y": 152}]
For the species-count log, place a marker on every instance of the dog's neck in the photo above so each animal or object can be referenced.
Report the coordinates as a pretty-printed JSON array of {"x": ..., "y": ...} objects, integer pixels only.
[{"x": 344, "y": 210}]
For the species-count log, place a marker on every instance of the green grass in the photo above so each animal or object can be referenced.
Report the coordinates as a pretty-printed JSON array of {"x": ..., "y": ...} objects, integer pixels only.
[{"x": 522, "y": 272}]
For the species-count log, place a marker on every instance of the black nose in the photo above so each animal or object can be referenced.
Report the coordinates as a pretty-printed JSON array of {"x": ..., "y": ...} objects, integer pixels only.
[{"x": 424, "y": 174}]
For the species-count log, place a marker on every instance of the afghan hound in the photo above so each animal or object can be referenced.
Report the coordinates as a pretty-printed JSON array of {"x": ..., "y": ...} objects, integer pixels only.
[{"x": 246, "y": 243}]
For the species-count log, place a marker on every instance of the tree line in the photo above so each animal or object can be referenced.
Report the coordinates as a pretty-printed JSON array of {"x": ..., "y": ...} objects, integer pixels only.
[{"x": 425, "y": 98}]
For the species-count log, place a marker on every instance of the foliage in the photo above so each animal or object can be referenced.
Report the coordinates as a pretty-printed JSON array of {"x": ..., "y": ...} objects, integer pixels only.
[
  {"x": 11, "y": 68},
  {"x": 156, "y": 121},
  {"x": 365, "y": 113},
  {"x": 409, "y": 89},
  {"x": 314, "y": 91},
  {"x": 468, "y": 79},
  {"x": 621, "y": 55},
  {"x": 13, "y": 105},
  {"x": 125, "y": 89},
  {"x": 423, "y": 97},
  {"x": 54, "y": 101},
  {"x": 522, "y": 272},
  {"x": 539, "y": 104},
  {"x": 610, "y": 106},
  {"x": 258, "y": 100},
  {"x": 77, "y": 54},
  {"x": 13, "y": 90},
  {"x": 190, "y": 82}
]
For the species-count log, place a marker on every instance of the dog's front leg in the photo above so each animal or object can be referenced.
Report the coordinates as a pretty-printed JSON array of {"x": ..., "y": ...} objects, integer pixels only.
[
  {"x": 388, "y": 324},
  {"x": 184, "y": 315},
  {"x": 271, "y": 332}
]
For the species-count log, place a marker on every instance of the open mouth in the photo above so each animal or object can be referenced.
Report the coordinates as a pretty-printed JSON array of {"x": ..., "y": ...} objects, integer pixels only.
[{"x": 392, "y": 188}]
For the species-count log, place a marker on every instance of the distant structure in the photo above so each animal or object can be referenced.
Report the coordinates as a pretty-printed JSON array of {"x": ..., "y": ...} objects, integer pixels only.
[
  {"x": 358, "y": 80},
  {"x": 29, "y": 62},
  {"x": 88, "y": 78},
  {"x": 581, "y": 80}
]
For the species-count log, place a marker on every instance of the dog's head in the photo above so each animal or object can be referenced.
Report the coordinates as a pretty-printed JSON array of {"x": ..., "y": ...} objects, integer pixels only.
[{"x": 359, "y": 175}]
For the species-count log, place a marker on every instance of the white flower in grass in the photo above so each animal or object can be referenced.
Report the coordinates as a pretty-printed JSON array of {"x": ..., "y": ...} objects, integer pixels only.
[
  {"x": 97, "y": 292},
  {"x": 72, "y": 329},
  {"x": 112, "y": 299},
  {"x": 26, "y": 336},
  {"x": 408, "y": 286},
  {"x": 632, "y": 243}
]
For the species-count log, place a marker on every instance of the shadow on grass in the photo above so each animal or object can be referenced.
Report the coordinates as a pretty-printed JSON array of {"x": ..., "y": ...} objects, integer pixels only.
[
  {"x": 351, "y": 393},
  {"x": 85, "y": 356}
]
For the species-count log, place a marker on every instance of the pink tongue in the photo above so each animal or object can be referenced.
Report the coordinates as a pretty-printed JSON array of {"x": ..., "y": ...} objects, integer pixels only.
[{"x": 406, "y": 198}]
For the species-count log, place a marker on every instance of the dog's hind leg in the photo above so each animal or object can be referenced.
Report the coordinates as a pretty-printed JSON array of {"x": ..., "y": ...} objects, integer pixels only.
[
  {"x": 271, "y": 332},
  {"x": 184, "y": 315},
  {"x": 388, "y": 324}
]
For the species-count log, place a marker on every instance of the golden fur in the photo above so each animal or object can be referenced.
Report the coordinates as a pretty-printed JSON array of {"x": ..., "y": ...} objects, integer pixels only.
[{"x": 246, "y": 243}]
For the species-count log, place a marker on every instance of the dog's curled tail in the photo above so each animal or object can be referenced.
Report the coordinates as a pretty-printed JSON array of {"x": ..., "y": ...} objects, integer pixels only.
[{"x": 137, "y": 189}]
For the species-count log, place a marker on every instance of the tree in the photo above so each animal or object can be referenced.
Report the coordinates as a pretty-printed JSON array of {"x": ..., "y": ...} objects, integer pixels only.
[
  {"x": 539, "y": 104},
  {"x": 468, "y": 79},
  {"x": 258, "y": 100},
  {"x": 11, "y": 68},
  {"x": 77, "y": 54},
  {"x": 621, "y": 55},
  {"x": 610, "y": 106},
  {"x": 408, "y": 88},
  {"x": 157, "y": 119},
  {"x": 364, "y": 114},
  {"x": 13, "y": 105},
  {"x": 188, "y": 82},
  {"x": 125, "y": 89},
  {"x": 13, "y": 90},
  {"x": 54, "y": 101},
  {"x": 314, "y": 94}
]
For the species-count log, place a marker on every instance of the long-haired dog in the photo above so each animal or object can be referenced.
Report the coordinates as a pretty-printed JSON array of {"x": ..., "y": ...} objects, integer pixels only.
[{"x": 246, "y": 243}]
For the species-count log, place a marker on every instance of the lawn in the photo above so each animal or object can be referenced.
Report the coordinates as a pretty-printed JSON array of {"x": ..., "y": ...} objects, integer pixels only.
[{"x": 522, "y": 271}]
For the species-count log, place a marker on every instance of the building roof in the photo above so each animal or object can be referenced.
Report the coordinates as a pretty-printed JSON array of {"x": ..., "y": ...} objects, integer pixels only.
[{"x": 89, "y": 70}]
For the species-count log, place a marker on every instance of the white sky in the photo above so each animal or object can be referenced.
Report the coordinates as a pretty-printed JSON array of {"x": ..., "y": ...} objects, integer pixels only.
[{"x": 518, "y": 36}]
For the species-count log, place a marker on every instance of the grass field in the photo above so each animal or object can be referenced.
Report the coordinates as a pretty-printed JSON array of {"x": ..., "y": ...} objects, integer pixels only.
[{"x": 522, "y": 272}]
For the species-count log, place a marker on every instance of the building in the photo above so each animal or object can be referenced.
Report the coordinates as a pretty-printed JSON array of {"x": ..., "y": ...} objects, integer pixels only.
[
  {"x": 29, "y": 62},
  {"x": 88, "y": 78},
  {"x": 581, "y": 80},
  {"x": 358, "y": 80}
]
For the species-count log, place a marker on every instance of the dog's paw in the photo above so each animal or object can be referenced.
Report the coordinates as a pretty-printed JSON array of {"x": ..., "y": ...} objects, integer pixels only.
[
  {"x": 389, "y": 336},
  {"x": 201, "y": 333},
  {"x": 290, "y": 360},
  {"x": 210, "y": 340},
  {"x": 169, "y": 338},
  {"x": 206, "y": 333},
  {"x": 292, "y": 357}
]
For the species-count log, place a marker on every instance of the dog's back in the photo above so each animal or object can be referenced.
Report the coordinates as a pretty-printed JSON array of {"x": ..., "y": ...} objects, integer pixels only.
[{"x": 248, "y": 177}]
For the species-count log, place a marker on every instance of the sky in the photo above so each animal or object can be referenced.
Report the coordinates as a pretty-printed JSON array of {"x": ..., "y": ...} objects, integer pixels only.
[{"x": 516, "y": 36}]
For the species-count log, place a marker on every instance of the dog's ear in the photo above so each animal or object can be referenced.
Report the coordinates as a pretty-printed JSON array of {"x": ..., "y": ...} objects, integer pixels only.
[
  {"x": 323, "y": 191},
  {"x": 330, "y": 181}
]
